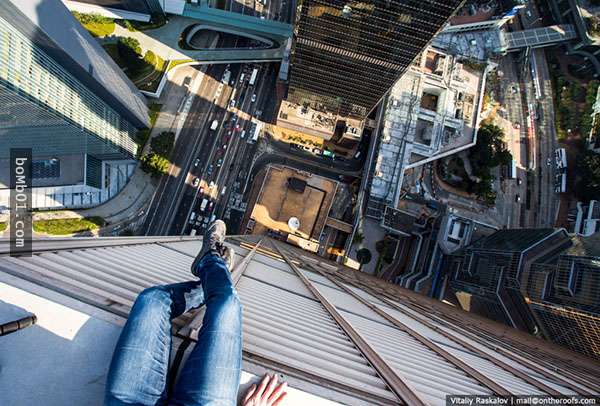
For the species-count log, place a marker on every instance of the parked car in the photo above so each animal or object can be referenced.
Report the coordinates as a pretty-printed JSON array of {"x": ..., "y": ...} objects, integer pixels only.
[
  {"x": 219, "y": 162},
  {"x": 253, "y": 99}
]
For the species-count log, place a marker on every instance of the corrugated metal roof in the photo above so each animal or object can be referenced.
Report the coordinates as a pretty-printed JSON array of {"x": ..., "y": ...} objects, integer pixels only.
[{"x": 322, "y": 325}]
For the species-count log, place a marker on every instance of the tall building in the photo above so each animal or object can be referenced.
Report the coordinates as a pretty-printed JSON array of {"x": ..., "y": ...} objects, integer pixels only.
[
  {"x": 62, "y": 96},
  {"x": 336, "y": 335},
  {"x": 540, "y": 281},
  {"x": 347, "y": 55}
]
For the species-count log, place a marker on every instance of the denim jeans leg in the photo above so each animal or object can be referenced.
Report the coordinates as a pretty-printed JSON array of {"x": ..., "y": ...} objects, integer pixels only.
[
  {"x": 138, "y": 370},
  {"x": 211, "y": 375}
]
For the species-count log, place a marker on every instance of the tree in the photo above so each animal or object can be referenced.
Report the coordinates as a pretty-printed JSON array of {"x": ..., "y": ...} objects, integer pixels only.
[
  {"x": 363, "y": 256},
  {"x": 588, "y": 167},
  {"x": 130, "y": 43},
  {"x": 358, "y": 238},
  {"x": 162, "y": 144},
  {"x": 154, "y": 164}
]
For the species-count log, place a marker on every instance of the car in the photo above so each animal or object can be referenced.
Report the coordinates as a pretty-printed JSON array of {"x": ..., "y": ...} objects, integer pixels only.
[
  {"x": 196, "y": 161},
  {"x": 212, "y": 184},
  {"x": 517, "y": 125},
  {"x": 514, "y": 89},
  {"x": 253, "y": 99},
  {"x": 258, "y": 113},
  {"x": 317, "y": 151},
  {"x": 517, "y": 198},
  {"x": 234, "y": 118},
  {"x": 210, "y": 206},
  {"x": 209, "y": 170},
  {"x": 219, "y": 162},
  {"x": 243, "y": 134},
  {"x": 201, "y": 190},
  {"x": 196, "y": 182},
  {"x": 519, "y": 181},
  {"x": 224, "y": 146},
  {"x": 357, "y": 155},
  {"x": 232, "y": 103},
  {"x": 548, "y": 162}
]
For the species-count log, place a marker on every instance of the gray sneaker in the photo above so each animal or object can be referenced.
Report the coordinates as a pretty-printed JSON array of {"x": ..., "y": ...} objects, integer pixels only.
[{"x": 213, "y": 240}]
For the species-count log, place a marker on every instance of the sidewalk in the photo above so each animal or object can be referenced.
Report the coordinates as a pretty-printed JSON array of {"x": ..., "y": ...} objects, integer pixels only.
[{"x": 131, "y": 200}]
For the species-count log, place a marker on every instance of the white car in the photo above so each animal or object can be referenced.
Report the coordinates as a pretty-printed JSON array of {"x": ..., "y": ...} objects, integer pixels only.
[
  {"x": 196, "y": 182},
  {"x": 253, "y": 99},
  {"x": 197, "y": 161}
]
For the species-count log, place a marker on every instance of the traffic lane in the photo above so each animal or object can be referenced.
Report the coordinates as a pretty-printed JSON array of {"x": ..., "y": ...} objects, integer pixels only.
[
  {"x": 194, "y": 135},
  {"x": 240, "y": 154},
  {"x": 171, "y": 183},
  {"x": 208, "y": 156},
  {"x": 189, "y": 135}
]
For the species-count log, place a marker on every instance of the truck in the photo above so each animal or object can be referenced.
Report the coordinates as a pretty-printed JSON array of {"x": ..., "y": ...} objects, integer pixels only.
[
  {"x": 253, "y": 77},
  {"x": 214, "y": 125},
  {"x": 226, "y": 77},
  {"x": 203, "y": 205}
]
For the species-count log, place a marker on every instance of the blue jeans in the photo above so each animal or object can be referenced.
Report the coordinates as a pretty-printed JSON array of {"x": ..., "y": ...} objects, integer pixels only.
[{"x": 211, "y": 375}]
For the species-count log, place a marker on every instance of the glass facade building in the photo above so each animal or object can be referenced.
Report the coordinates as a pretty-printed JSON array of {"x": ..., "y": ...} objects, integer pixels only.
[
  {"x": 61, "y": 95},
  {"x": 347, "y": 55}
]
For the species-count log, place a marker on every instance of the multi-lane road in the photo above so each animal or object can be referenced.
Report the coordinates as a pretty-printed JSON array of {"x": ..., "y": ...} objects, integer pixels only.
[{"x": 213, "y": 149}]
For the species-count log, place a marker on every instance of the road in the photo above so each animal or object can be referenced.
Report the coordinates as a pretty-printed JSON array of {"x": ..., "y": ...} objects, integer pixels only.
[{"x": 544, "y": 200}]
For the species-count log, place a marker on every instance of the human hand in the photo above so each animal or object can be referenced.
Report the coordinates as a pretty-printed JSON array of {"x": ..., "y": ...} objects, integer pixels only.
[{"x": 268, "y": 392}]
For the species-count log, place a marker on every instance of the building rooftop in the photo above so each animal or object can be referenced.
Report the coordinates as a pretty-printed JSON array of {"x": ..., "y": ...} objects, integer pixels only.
[
  {"x": 432, "y": 111},
  {"x": 306, "y": 119},
  {"x": 338, "y": 336},
  {"x": 279, "y": 200}
]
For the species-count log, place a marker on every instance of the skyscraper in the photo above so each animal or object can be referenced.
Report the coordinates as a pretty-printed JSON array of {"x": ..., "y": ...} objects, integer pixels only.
[
  {"x": 61, "y": 94},
  {"x": 346, "y": 55},
  {"x": 537, "y": 280}
]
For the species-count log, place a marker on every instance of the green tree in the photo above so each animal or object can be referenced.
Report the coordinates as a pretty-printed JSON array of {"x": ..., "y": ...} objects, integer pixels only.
[
  {"x": 131, "y": 44},
  {"x": 154, "y": 164},
  {"x": 162, "y": 144},
  {"x": 358, "y": 238},
  {"x": 490, "y": 149},
  {"x": 588, "y": 168},
  {"x": 363, "y": 256}
]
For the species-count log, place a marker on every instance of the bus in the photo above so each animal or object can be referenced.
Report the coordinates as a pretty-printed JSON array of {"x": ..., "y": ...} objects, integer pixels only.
[
  {"x": 512, "y": 172},
  {"x": 253, "y": 77},
  {"x": 256, "y": 128},
  {"x": 560, "y": 158}
]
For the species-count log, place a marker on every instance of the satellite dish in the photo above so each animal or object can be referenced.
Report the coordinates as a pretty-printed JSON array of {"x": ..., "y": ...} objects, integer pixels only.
[{"x": 294, "y": 223}]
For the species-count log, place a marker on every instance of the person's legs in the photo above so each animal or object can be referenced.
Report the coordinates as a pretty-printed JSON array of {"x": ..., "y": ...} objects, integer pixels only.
[
  {"x": 211, "y": 375},
  {"x": 138, "y": 370}
]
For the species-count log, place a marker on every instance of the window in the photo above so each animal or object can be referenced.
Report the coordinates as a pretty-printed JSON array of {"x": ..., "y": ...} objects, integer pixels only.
[{"x": 45, "y": 168}]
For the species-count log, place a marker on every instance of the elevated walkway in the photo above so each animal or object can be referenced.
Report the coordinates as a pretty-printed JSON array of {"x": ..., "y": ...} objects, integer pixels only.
[
  {"x": 539, "y": 37},
  {"x": 202, "y": 12}
]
